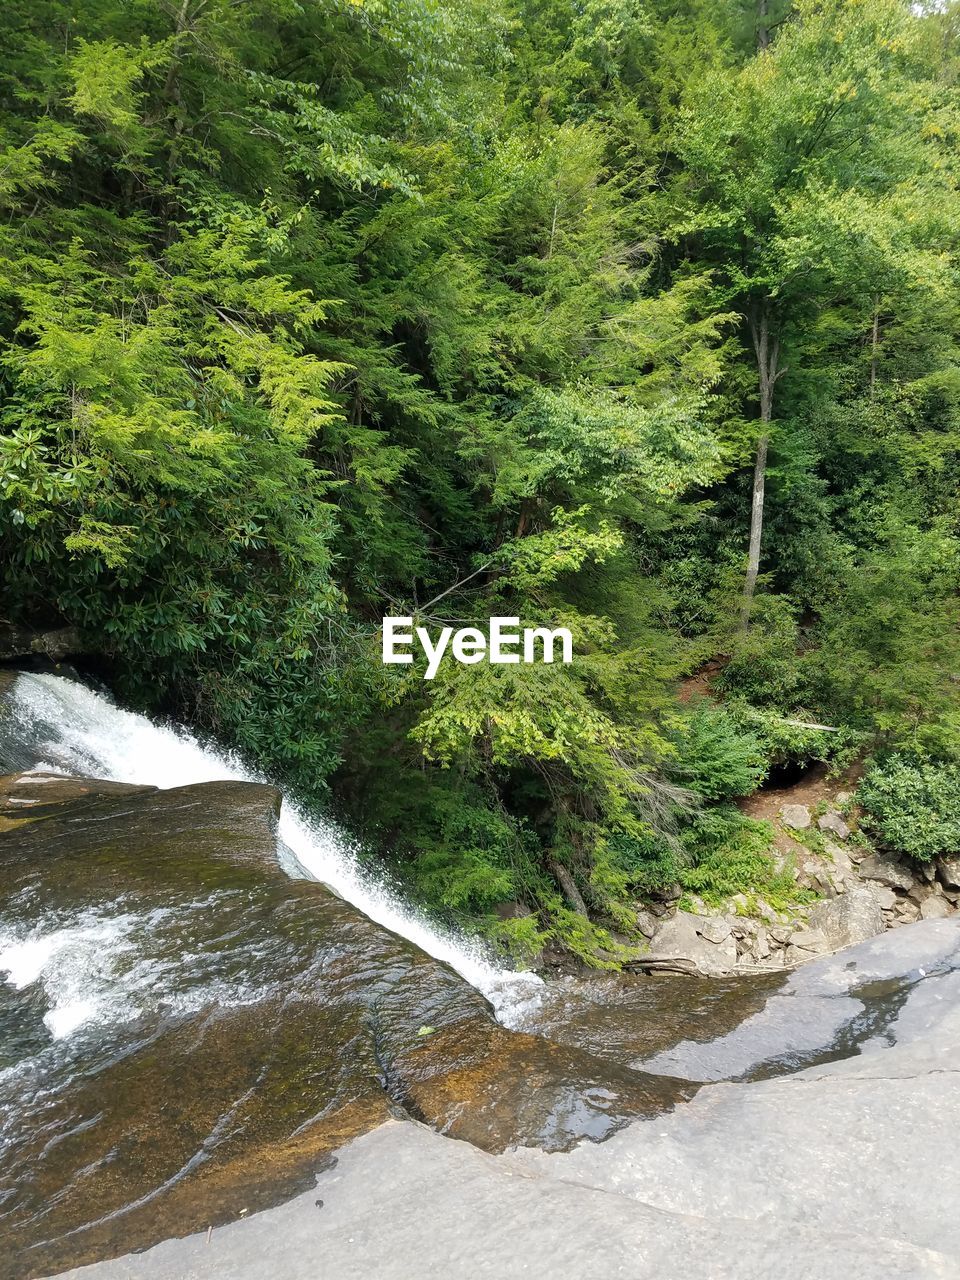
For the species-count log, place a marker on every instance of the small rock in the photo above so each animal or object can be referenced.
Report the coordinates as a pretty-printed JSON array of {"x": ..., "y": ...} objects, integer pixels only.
[
  {"x": 796, "y": 816},
  {"x": 780, "y": 934},
  {"x": 766, "y": 912},
  {"x": 668, "y": 893},
  {"x": 838, "y": 853},
  {"x": 885, "y": 898},
  {"x": 831, "y": 821},
  {"x": 907, "y": 911},
  {"x": 928, "y": 871},
  {"x": 887, "y": 871},
  {"x": 934, "y": 909},
  {"x": 715, "y": 929},
  {"x": 843, "y": 797},
  {"x": 920, "y": 892},
  {"x": 761, "y": 947},
  {"x": 948, "y": 870}
]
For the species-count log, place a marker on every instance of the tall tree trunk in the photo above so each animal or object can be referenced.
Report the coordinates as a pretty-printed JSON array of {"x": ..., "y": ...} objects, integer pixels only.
[
  {"x": 767, "y": 351},
  {"x": 763, "y": 31}
]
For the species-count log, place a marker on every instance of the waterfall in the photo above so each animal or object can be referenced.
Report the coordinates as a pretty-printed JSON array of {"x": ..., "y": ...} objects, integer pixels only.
[{"x": 69, "y": 728}]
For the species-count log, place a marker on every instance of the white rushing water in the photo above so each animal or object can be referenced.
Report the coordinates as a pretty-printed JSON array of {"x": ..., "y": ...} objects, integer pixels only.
[{"x": 75, "y": 730}]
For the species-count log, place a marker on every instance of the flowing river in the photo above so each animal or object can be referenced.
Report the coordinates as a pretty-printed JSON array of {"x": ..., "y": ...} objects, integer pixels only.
[{"x": 212, "y": 1013}]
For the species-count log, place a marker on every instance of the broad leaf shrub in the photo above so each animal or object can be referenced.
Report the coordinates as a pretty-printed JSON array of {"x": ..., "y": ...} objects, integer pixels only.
[{"x": 913, "y": 805}]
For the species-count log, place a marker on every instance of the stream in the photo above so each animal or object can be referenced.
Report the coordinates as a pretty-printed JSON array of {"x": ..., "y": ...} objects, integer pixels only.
[{"x": 208, "y": 1002}]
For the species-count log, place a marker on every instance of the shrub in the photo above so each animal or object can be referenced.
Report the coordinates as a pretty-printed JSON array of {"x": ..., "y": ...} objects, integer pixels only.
[
  {"x": 764, "y": 667},
  {"x": 647, "y": 864},
  {"x": 791, "y": 740},
  {"x": 716, "y": 756},
  {"x": 730, "y": 854},
  {"x": 913, "y": 805}
]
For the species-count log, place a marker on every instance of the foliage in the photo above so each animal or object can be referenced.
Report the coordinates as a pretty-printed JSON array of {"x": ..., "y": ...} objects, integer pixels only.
[
  {"x": 913, "y": 805},
  {"x": 716, "y": 757},
  {"x": 731, "y": 854},
  {"x": 447, "y": 308}
]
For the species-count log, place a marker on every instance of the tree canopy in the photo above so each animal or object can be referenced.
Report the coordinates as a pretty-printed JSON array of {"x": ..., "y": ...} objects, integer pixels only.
[{"x": 637, "y": 317}]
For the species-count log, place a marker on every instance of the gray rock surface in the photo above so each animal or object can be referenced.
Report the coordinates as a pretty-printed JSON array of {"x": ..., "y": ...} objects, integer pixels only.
[
  {"x": 403, "y": 1203},
  {"x": 843, "y": 1171},
  {"x": 818, "y": 1004},
  {"x": 681, "y": 938},
  {"x": 796, "y": 816},
  {"x": 886, "y": 871},
  {"x": 854, "y": 917}
]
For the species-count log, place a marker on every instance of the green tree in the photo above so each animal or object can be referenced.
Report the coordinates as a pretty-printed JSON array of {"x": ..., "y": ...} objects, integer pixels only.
[{"x": 803, "y": 178}]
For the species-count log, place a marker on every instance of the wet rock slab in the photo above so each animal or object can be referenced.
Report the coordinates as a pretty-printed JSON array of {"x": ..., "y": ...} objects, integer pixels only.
[
  {"x": 538, "y": 1219},
  {"x": 189, "y": 1032},
  {"x": 743, "y": 1027},
  {"x": 864, "y": 1146}
]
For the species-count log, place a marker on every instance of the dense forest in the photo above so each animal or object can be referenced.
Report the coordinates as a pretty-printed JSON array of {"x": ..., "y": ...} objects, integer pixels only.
[{"x": 637, "y": 317}]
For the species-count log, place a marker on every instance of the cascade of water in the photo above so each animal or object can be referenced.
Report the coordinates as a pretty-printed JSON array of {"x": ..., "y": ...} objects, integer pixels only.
[{"x": 72, "y": 729}]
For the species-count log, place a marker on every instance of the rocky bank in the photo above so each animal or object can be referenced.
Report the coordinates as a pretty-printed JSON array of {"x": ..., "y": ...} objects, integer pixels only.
[{"x": 859, "y": 894}]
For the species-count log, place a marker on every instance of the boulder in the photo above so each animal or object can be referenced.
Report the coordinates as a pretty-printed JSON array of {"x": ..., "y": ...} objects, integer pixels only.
[
  {"x": 796, "y": 816},
  {"x": 715, "y": 929},
  {"x": 21, "y": 642},
  {"x": 935, "y": 909},
  {"x": 680, "y": 938},
  {"x": 831, "y": 821},
  {"x": 512, "y": 910},
  {"x": 647, "y": 923},
  {"x": 845, "y": 921},
  {"x": 887, "y": 871},
  {"x": 920, "y": 891},
  {"x": 885, "y": 898},
  {"x": 766, "y": 912}
]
